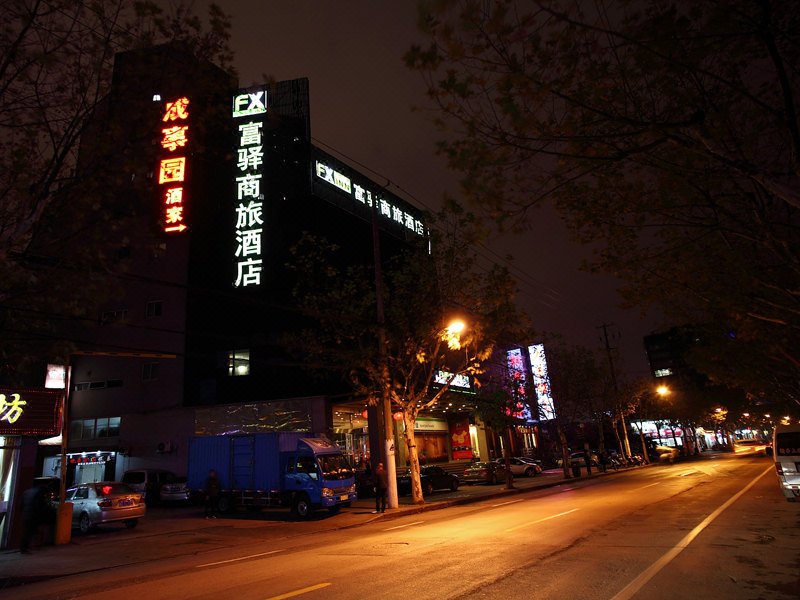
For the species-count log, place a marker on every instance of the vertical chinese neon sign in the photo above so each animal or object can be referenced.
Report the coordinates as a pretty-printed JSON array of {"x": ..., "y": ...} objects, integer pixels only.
[
  {"x": 172, "y": 168},
  {"x": 249, "y": 110}
]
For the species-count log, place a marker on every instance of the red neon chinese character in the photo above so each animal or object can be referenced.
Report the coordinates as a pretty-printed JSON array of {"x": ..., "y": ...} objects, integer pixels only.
[
  {"x": 176, "y": 110},
  {"x": 174, "y": 214},
  {"x": 174, "y": 196},
  {"x": 172, "y": 169},
  {"x": 174, "y": 137}
]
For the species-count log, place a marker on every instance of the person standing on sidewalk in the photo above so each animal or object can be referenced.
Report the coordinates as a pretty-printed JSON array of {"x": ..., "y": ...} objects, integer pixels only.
[
  {"x": 381, "y": 485},
  {"x": 212, "y": 489}
]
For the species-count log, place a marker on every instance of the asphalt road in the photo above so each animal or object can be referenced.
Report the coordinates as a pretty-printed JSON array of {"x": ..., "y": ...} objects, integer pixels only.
[{"x": 708, "y": 529}]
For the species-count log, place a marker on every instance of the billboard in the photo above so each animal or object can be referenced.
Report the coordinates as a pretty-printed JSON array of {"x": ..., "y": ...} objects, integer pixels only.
[{"x": 541, "y": 381}]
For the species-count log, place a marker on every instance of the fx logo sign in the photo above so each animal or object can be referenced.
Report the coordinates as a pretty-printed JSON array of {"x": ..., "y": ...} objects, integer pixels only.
[{"x": 251, "y": 103}]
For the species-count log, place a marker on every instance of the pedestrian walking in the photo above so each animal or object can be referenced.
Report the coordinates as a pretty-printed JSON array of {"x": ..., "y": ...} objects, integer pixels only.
[
  {"x": 212, "y": 489},
  {"x": 35, "y": 511},
  {"x": 587, "y": 458},
  {"x": 381, "y": 485},
  {"x": 603, "y": 461}
]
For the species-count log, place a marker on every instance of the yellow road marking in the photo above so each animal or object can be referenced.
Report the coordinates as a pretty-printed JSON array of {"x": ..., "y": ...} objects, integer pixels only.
[
  {"x": 230, "y": 560},
  {"x": 541, "y": 520},
  {"x": 304, "y": 590}
]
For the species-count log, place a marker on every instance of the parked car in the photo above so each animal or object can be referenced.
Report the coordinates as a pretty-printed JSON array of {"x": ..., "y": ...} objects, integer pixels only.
[
  {"x": 520, "y": 466},
  {"x": 577, "y": 458},
  {"x": 104, "y": 502},
  {"x": 484, "y": 472},
  {"x": 431, "y": 477},
  {"x": 148, "y": 482},
  {"x": 175, "y": 489}
]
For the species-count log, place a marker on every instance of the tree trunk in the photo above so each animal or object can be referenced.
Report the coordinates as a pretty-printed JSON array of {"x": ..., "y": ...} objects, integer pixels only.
[
  {"x": 562, "y": 438},
  {"x": 616, "y": 435},
  {"x": 626, "y": 442},
  {"x": 602, "y": 444},
  {"x": 413, "y": 457},
  {"x": 507, "y": 456},
  {"x": 645, "y": 455}
]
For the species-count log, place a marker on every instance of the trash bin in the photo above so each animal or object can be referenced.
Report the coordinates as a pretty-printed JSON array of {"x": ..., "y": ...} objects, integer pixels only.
[
  {"x": 64, "y": 523},
  {"x": 576, "y": 470}
]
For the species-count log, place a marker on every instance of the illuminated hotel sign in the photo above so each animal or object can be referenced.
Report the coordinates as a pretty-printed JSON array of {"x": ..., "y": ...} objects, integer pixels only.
[
  {"x": 173, "y": 164},
  {"x": 386, "y": 208},
  {"x": 541, "y": 381},
  {"x": 30, "y": 412},
  {"x": 249, "y": 111}
]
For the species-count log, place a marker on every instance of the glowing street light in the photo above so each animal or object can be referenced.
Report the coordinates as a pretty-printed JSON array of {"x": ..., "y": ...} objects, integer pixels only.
[
  {"x": 452, "y": 333},
  {"x": 663, "y": 390}
]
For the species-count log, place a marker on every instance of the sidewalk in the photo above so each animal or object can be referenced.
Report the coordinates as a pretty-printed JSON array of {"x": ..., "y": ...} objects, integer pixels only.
[{"x": 111, "y": 547}]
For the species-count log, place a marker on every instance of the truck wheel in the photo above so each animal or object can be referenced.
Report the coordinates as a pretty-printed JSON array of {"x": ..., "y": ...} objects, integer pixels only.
[
  {"x": 224, "y": 504},
  {"x": 302, "y": 506}
]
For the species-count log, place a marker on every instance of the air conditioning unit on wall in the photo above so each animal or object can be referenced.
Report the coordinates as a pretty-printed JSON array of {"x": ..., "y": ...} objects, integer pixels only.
[{"x": 164, "y": 447}]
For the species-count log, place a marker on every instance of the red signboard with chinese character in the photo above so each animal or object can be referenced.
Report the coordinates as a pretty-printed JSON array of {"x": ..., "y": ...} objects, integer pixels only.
[
  {"x": 460, "y": 442},
  {"x": 30, "y": 411},
  {"x": 173, "y": 165}
]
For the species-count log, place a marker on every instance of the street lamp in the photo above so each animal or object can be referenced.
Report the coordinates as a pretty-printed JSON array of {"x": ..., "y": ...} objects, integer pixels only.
[
  {"x": 452, "y": 333},
  {"x": 663, "y": 391}
]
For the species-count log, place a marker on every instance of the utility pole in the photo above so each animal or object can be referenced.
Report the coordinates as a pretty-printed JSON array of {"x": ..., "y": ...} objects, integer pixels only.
[
  {"x": 612, "y": 370},
  {"x": 384, "y": 412}
]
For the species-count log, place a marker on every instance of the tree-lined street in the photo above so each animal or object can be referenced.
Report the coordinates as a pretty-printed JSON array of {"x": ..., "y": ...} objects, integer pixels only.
[{"x": 588, "y": 538}]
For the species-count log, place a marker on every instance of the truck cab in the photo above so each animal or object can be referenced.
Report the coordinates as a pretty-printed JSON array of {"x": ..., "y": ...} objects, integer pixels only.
[{"x": 317, "y": 475}]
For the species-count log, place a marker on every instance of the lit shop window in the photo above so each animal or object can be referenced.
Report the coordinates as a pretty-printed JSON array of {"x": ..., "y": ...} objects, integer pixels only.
[{"x": 238, "y": 363}]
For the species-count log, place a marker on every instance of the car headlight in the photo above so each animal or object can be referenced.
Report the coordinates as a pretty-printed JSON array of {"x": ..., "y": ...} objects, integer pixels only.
[
  {"x": 351, "y": 489},
  {"x": 327, "y": 492}
]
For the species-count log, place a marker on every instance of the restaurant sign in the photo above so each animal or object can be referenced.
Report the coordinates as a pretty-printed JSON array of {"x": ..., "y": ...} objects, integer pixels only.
[{"x": 30, "y": 411}]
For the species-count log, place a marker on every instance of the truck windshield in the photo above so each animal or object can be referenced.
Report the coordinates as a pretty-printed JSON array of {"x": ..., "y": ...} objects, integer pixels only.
[{"x": 335, "y": 466}]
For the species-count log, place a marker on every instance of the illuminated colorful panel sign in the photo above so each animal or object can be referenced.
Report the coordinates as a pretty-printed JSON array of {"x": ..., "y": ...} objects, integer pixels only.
[
  {"x": 541, "y": 381},
  {"x": 361, "y": 191},
  {"x": 172, "y": 168},
  {"x": 460, "y": 381},
  {"x": 249, "y": 112},
  {"x": 517, "y": 375},
  {"x": 30, "y": 412}
]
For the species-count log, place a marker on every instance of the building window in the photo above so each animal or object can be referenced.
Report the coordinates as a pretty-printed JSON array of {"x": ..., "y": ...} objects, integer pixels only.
[
  {"x": 238, "y": 363},
  {"x": 90, "y": 429},
  {"x": 663, "y": 372},
  {"x": 114, "y": 316},
  {"x": 153, "y": 309},
  {"x": 149, "y": 371}
]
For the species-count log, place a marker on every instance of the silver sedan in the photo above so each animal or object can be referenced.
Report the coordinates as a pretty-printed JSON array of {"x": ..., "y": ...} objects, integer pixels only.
[{"x": 104, "y": 502}]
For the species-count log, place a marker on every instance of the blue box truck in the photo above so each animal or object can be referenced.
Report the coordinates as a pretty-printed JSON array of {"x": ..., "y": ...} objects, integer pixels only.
[{"x": 273, "y": 469}]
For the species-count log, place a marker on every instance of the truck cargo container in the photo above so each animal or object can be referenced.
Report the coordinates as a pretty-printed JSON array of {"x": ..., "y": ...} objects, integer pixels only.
[{"x": 273, "y": 469}]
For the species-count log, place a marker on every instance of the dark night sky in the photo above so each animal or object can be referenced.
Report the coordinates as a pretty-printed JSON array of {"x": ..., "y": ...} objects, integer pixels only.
[{"x": 361, "y": 110}]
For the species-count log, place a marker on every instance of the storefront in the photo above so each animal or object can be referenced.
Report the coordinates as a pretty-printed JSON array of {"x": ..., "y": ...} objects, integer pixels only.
[{"x": 24, "y": 413}]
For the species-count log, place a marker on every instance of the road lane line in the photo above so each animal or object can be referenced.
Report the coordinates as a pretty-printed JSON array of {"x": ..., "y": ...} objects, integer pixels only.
[
  {"x": 645, "y": 486},
  {"x": 637, "y": 584},
  {"x": 505, "y": 503},
  {"x": 230, "y": 560},
  {"x": 541, "y": 520},
  {"x": 304, "y": 590},
  {"x": 406, "y": 525}
]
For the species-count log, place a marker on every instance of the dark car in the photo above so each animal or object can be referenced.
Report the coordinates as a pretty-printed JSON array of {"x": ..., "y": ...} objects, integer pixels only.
[
  {"x": 485, "y": 472},
  {"x": 431, "y": 477}
]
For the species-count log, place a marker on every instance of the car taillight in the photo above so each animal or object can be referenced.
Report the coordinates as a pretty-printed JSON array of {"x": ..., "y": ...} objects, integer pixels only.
[{"x": 106, "y": 503}]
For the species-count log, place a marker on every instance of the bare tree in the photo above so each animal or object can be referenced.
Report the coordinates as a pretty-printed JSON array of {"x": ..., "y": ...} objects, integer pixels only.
[{"x": 666, "y": 131}]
